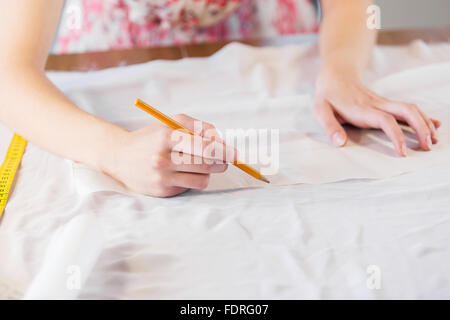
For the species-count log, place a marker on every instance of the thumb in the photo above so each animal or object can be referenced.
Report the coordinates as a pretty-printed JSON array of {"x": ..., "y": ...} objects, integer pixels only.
[{"x": 324, "y": 114}]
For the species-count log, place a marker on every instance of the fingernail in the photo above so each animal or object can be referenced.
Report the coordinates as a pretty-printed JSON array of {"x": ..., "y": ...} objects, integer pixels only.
[
  {"x": 338, "y": 139},
  {"x": 404, "y": 149},
  {"x": 435, "y": 132},
  {"x": 429, "y": 143}
]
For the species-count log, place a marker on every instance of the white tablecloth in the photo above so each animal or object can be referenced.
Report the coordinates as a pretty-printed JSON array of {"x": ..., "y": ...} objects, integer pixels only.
[{"x": 304, "y": 241}]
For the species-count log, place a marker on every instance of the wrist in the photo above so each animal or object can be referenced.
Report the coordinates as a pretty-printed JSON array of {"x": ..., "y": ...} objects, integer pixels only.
[
  {"x": 339, "y": 70},
  {"x": 112, "y": 142}
]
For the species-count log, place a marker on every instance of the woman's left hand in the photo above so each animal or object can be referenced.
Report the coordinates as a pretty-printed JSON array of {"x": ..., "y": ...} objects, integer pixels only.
[{"x": 342, "y": 98}]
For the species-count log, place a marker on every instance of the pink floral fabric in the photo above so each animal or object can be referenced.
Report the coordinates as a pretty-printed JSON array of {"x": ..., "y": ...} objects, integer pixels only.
[{"x": 97, "y": 25}]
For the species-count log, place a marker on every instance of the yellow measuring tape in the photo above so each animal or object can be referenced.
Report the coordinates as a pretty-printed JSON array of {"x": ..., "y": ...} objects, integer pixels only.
[{"x": 9, "y": 168}]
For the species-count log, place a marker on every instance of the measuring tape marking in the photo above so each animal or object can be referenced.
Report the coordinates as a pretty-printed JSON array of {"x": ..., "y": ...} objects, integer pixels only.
[{"x": 9, "y": 168}]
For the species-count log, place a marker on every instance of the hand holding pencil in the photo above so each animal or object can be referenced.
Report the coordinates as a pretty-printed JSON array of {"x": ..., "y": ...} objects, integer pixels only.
[
  {"x": 146, "y": 160},
  {"x": 177, "y": 126}
]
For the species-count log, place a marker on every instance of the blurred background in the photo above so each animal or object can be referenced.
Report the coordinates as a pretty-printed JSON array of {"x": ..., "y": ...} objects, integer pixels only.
[{"x": 402, "y": 14}]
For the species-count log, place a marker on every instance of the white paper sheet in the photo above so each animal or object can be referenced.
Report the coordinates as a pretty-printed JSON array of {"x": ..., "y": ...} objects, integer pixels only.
[{"x": 260, "y": 93}]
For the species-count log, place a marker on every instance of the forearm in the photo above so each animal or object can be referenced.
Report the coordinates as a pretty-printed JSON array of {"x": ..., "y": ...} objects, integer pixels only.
[
  {"x": 345, "y": 40},
  {"x": 34, "y": 108}
]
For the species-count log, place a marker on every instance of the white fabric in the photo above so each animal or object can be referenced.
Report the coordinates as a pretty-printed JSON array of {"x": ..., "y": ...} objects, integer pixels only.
[
  {"x": 300, "y": 241},
  {"x": 303, "y": 154},
  {"x": 72, "y": 253}
]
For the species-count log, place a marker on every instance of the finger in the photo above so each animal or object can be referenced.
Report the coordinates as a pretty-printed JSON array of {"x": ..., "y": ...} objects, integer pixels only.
[
  {"x": 201, "y": 128},
  {"x": 387, "y": 123},
  {"x": 209, "y": 131},
  {"x": 201, "y": 147},
  {"x": 188, "y": 163},
  {"x": 190, "y": 180},
  {"x": 325, "y": 116},
  {"x": 431, "y": 126},
  {"x": 410, "y": 114},
  {"x": 188, "y": 122},
  {"x": 168, "y": 192},
  {"x": 437, "y": 123},
  {"x": 339, "y": 119}
]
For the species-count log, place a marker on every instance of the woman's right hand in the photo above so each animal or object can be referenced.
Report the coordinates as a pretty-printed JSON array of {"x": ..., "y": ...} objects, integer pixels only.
[{"x": 147, "y": 161}]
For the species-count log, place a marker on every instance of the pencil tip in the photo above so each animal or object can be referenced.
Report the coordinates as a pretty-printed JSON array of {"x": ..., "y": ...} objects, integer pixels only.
[{"x": 264, "y": 179}]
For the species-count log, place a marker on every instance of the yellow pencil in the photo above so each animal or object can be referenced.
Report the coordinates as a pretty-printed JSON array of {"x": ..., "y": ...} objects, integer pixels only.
[{"x": 177, "y": 126}]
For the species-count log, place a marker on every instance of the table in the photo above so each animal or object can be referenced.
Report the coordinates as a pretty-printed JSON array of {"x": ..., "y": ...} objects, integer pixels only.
[
  {"x": 114, "y": 58},
  {"x": 302, "y": 241}
]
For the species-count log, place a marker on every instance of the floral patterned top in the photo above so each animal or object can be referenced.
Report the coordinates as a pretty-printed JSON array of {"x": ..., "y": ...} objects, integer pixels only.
[{"x": 97, "y": 25}]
